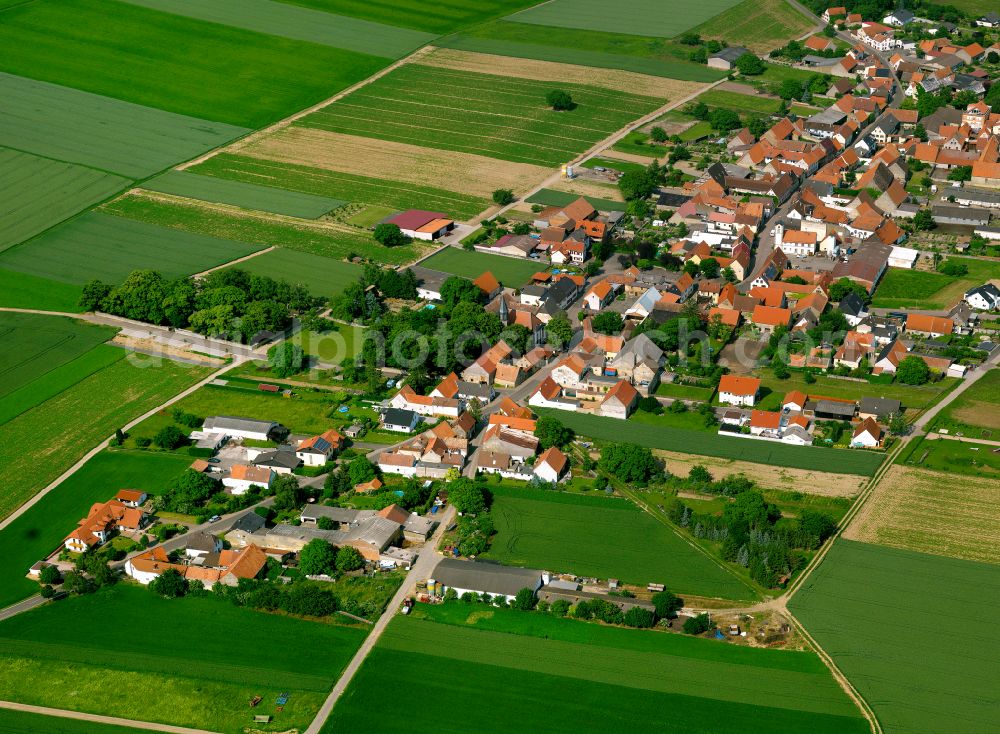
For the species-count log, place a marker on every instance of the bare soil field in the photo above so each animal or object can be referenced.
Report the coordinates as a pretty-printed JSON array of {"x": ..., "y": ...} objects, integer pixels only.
[
  {"x": 926, "y": 511},
  {"x": 772, "y": 477},
  {"x": 479, "y": 175},
  {"x": 623, "y": 81}
]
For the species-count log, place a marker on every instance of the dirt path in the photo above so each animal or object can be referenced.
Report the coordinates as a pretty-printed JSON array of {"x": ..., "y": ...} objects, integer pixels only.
[
  {"x": 96, "y": 718},
  {"x": 961, "y": 439},
  {"x": 230, "y": 264}
]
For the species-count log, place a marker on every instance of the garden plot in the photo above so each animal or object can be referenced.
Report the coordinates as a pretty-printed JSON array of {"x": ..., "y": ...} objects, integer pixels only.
[
  {"x": 301, "y": 24},
  {"x": 488, "y": 115},
  {"x": 103, "y": 133},
  {"x": 636, "y": 17},
  {"x": 405, "y": 163},
  {"x": 40, "y": 192}
]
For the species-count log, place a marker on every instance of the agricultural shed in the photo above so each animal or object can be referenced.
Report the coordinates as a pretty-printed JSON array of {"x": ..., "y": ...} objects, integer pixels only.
[{"x": 486, "y": 578}]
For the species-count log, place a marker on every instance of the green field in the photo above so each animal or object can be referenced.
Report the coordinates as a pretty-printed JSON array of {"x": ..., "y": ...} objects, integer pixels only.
[
  {"x": 510, "y": 271},
  {"x": 300, "y": 24},
  {"x": 603, "y": 50},
  {"x": 40, "y": 192},
  {"x": 189, "y": 220},
  {"x": 676, "y": 685},
  {"x": 760, "y": 25},
  {"x": 323, "y": 276},
  {"x": 913, "y": 397},
  {"x": 954, "y": 457},
  {"x": 322, "y": 182},
  {"x": 243, "y": 194},
  {"x": 495, "y": 116},
  {"x": 100, "y": 132},
  {"x": 840, "y": 461},
  {"x": 41, "y": 443},
  {"x": 42, "y": 527},
  {"x": 557, "y": 531},
  {"x": 101, "y": 246},
  {"x": 741, "y": 103},
  {"x": 636, "y": 17},
  {"x": 442, "y": 16},
  {"x": 925, "y": 289},
  {"x": 174, "y": 63},
  {"x": 34, "y": 344},
  {"x": 22, "y": 722},
  {"x": 67, "y": 655},
  {"x": 975, "y": 411},
  {"x": 867, "y": 606},
  {"x": 551, "y": 197},
  {"x": 613, "y": 163},
  {"x": 20, "y": 290}
]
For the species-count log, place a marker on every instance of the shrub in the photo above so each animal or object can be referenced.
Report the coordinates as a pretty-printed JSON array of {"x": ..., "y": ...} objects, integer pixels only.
[
  {"x": 639, "y": 617},
  {"x": 49, "y": 575},
  {"x": 503, "y": 197},
  {"x": 698, "y": 625},
  {"x": 390, "y": 235},
  {"x": 560, "y": 607},
  {"x": 143, "y": 442},
  {"x": 169, "y": 437},
  {"x": 525, "y": 600}
]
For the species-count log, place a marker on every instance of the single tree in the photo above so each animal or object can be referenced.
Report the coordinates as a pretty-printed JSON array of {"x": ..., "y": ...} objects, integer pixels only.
[
  {"x": 503, "y": 197},
  {"x": 525, "y": 600},
  {"x": 390, "y": 235},
  {"x": 317, "y": 558},
  {"x": 49, "y": 575},
  {"x": 360, "y": 470},
  {"x": 287, "y": 492},
  {"x": 170, "y": 437},
  {"x": 349, "y": 559},
  {"x": 559, "y": 330},
  {"x": 550, "y": 432},
  {"x": 559, "y": 100},
  {"x": 467, "y": 496},
  {"x": 698, "y": 625},
  {"x": 639, "y": 617},
  {"x": 750, "y": 65},
  {"x": 667, "y": 604},
  {"x": 912, "y": 370},
  {"x": 658, "y": 134},
  {"x": 608, "y": 322},
  {"x": 169, "y": 584}
]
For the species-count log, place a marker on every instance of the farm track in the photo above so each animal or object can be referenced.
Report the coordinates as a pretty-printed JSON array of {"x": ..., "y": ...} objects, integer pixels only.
[{"x": 98, "y": 719}]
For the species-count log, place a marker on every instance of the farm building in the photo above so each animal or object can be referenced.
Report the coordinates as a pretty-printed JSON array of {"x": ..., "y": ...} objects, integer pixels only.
[
  {"x": 218, "y": 567},
  {"x": 422, "y": 225},
  {"x": 235, "y": 427},
  {"x": 485, "y": 578},
  {"x": 726, "y": 58},
  {"x": 878, "y": 408}
]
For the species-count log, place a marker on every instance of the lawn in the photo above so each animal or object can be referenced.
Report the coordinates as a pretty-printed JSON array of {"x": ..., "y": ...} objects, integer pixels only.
[
  {"x": 20, "y": 290},
  {"x": 192, "y": 220},
  {"x": 776, "y": 73},
  {"x": 510, "y": 271},
  {"x": 443, "y": 16},
  {"x": 22, "y": 722},
  {"x": 99, "y": 132},
  {"x": 867, "y": 606},
  {"x": 494, "y": 116},
  {"x": 636, "y": 17},
  {"x": 924, "y": 289},
  {"x": 711, "y": 444},
  {"x": 334, "y": 184},
  {"x": 678, "y": 686},
  {"x": 913, "y": 397},
  {"x": 323, "y": 276},
  {"x": 760, "y": 25},
  {"x": 953, "y": 457},
  {"x": 685, "y": 392},
  {"x": 108, "y": 248},
  {"x": 300, "y": 24},
  {"x": 639, "y": 143},
  {"x": 976, "y": 412},
  {"x": 67, "y": 655},
  {"x": 612, "y": 163},
  {"x": 174, "y": 63},
  {"x": 244, "y": 195},
  {"x": 40, "y": 193},
  {"x": 42, "y": 442},
  {"x": 697, "y": 131},
  {"x": 557, "y": 531},
  {"x": 741, "y": 103},
  {"x": 551, "y": 197},
  {"x": 41, "y": 529},
  {"x": 35, "y": 344}
]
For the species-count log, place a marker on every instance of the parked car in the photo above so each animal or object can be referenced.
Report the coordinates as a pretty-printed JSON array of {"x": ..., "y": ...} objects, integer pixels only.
[{"x": 215, "y": 518}]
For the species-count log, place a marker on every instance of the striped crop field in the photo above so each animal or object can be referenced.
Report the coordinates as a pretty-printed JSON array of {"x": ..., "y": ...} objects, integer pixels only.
[
  {"x": 637, "y": 17},
  {"x": 99, "y": 132},
  {"x": 191, "y": 67},
  {"x": 243, "y": 194},
  {"x": 101, "y": 246},
  {"x": 335, "y": 184},
  {"x": 494, "y": 116},
  {"x": 300, "y": 24},
  {"x": 41, "y": 192},
  {"x": 441, "y": 16}
]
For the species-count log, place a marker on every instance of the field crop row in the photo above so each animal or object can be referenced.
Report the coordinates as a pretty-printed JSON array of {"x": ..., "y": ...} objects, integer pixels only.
[
  {"x": 483, "y": 114},
  {"x": 868, "y": 607},
  {"x": 441, "y": 16},
  {"x": 323, "y": 182},
  {"x": 40, "y": 192},
  {"x": 841, "y": 461},
  {"x": 637, "y": 17},
  {"x": 556, "y": 531},
  {"x": 100, "y": 132},
  {"x": 760, "y": 25},
  {"x": 98, "y": 245},
  {"x": 300, "y": 24}
]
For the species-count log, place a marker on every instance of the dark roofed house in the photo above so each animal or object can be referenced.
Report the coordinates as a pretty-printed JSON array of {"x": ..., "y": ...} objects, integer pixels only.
[
  {"x": 878, "y": 408},
  {"x": 399, "y": 420},
  {"x": 485, "y": 578}
]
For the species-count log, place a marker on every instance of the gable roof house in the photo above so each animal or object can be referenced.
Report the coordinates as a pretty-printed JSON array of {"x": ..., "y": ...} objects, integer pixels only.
[
  {"x": 928, "y": 326},
  {"x": 619, "y": 401},
  {"x": 735, "y": 390},
  {"x": 868, "y": 435},
  {"x": 243, "y": 476},
  {"x": 551, "y": 465},
  {"x": 102, "y": 521},
  {"x": 318, "y": 450},
  {"x": 220, "y": 567}
]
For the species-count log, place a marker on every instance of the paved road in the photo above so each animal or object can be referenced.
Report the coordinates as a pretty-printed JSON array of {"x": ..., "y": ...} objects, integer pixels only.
[
  {"x": 112, "y": 720},
  {"x": 22, "y": 606},
  {"x": 421, "y": 569}
]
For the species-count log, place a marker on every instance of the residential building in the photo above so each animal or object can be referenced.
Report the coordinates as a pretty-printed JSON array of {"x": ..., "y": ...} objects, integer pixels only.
[
  {"x": 102, "y": 522},
  {"x": 735, "y": 390},
  {"x": 868, "y": 434},
  {"x": 619, "y": 401},
  {"x": 551, "y": 465},
  {"x": 985, "y": 297},
  {"x": 318, "y": 450},
  {"x": 243, "y": 476},
  {"x": 400, "y": 421}
]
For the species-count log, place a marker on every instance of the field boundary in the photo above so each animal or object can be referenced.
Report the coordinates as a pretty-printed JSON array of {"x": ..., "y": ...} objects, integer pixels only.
[{"x": 98, "y": 718}]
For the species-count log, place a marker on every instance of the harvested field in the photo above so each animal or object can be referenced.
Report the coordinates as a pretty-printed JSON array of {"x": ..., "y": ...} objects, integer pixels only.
[
  {"x": 978, "y": 413},
  {"x": 638, "y": 17},
  {"x": 478, "y": 174},
  {"x": 976, "y": 409},
  {"x": 930, "y": 512},
  {"x": 771, "y": 477},
  {"x": 622, "y": 81}
]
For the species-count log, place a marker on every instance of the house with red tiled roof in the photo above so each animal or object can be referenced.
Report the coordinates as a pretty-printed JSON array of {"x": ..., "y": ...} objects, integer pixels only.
[
  {"x": 488, "y": 284},
  {"x": 318, "y": 450},
  {"x": 736, "y": 390},
  {"x": 422, "y": 225},
  {"x": 764, "y": 422},
  {"x": 867, "y": 435},
  {"x": 569, "y": 371},
  {"x": 769, "y": 318},
  {"x": 227, "y": 567},
  {"x": 104, "y": 520},
  {"x": 551, "y": 465},
  {"x": 600, "y": 295},
  {"x": 928, "y": 326},
  {"x": 619, "y": 401}
]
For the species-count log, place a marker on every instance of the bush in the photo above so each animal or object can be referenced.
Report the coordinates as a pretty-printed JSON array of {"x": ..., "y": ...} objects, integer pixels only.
[
  {"x": 525, "y": 600},
  {"x": 560, "y": 607},
  {"x": 698, "y": 625},
  {"x": 639, "y": 617},
  {"x": 169, "y": 438},
  {"x": 503, "y": 197},
  {"x": 50, "y": 575},
  {"x": 667, "y": 604},
  {"x": 169, "y": 584},
  {"x": 349, "y": 559},
  {"x": 390, "y": 235},
  {"x": 285, "y": 359},
  {"x": 143, "y": 442}
]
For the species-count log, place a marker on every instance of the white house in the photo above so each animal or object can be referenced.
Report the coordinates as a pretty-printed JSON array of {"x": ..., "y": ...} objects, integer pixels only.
[
  {"x": 868, "y": 435},
  {"x": 903, "y": 257},
  {"x": 983, "y": 298},
  {"x": 243, "y": 476},
  {"x": 484, "y": 578},
  {"x": 400, "y": 421},
  {"x": 569, "y": 372},
  {"x": 551, "y": 465},
  {"x": 599, "y": 296},
  {"x": 318, "y": 450},
  {"x": 235, "y": 427},
  {"x": 199, "y": 545},
  {"x": 549, "y": 395},
  {"x": 734, "y": 390}
]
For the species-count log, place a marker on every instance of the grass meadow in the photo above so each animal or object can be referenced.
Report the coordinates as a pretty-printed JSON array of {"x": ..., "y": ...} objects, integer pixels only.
[
  {"x": 350, "y": 187},
  {"x": 868, "y": 606},
  {"x": 244, "y": 195},
  {"x": 41, "y": 192},
  {"x": 556, "y": 531},
  {"x": 510, "y": 271},
  {"x": 100, "y": 132},
  {"x": 20, "y": 290},
  {"x": 952, "y": 457},
  {"x": 101, "y": 246},
  {"x": 323, "y": 276},
  {"x": 976, "y": 412},
  {"x": 929, "y": 290},
  {"x": 494, "y": 116},
  {"x": 42, "y": 527},
  {"x": 740, "y": 103},
  {"x": 443, "y": 16},
  {"x": 67, "y": 655},
  {"x": 636, "y": 17},
  {"x": 42, "y": 442},
  {"x": 677, "y": 686},
  {"x": 35, "y": 344},
  {"x": 711, "y": 444},
  {"x": 300, "y": 24},
  {"x": 174, "y": 63},
  {"x": 551, "y": 197}
]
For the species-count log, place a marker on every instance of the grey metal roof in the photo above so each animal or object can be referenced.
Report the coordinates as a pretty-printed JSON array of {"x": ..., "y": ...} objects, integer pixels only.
[
  {"x": 249, "y": 522},
  {"x": 488, "y": 577},
  {"x": 375, "y": 531},
  {"x": 730, "y": 54},
  {"x": 235, "y": 423}
]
